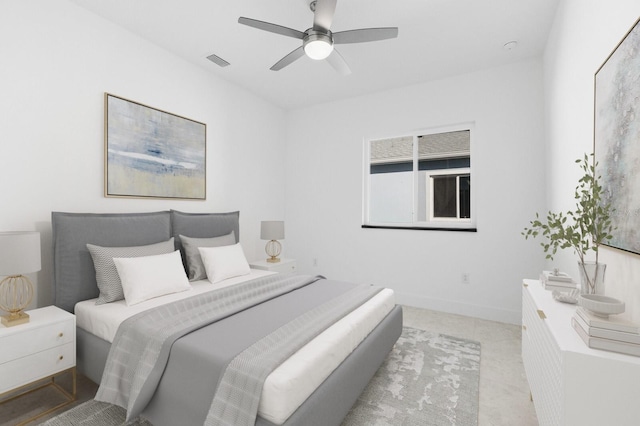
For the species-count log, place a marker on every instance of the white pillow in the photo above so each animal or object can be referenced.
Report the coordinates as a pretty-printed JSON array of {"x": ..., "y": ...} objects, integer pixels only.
[
  {"x": 147, "y": 277},
  {"x": 195, "y": 267},
  {"x": 107, "y": 276},
  {"x": 224, "y": 262}
]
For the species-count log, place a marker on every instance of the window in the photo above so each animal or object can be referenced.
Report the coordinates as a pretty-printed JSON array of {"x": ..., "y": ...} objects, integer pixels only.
[
  {"x": 451, "y": 197},
  {"x": 421, "y": 180}
]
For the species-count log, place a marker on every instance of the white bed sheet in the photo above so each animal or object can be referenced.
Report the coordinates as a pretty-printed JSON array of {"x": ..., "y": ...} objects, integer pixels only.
[
  {"x": 104, "y": 320},
  {"x": 288, "y": 386}
]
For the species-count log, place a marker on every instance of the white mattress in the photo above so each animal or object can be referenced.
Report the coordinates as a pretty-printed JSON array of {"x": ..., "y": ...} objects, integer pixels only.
[{"x": 292, "y": 382}]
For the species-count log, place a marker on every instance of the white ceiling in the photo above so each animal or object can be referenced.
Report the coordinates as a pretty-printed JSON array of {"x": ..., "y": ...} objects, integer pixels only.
[{"x": 437, "y": 38}]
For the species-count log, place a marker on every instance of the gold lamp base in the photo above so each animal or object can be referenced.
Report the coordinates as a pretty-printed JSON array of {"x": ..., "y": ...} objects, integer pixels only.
[
  {"x": 16, "y": 292},
  {"x": 273, "y": 249},
  {"x": 15, "y": 319}
]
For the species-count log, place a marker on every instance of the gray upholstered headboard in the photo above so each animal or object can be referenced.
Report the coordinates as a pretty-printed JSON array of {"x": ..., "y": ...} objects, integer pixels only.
[{"x": 74, "y": 276}]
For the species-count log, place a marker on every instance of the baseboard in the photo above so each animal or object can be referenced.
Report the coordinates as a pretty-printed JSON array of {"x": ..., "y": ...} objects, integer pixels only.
[{"x": 459, "y": 308}]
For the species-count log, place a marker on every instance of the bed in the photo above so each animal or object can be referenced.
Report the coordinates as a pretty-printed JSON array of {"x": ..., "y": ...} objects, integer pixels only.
[{"x": 331, "y": 386}]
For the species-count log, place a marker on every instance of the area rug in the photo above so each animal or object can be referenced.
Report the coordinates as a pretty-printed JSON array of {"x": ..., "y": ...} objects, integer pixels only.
[{"x": 428, "y": 379}]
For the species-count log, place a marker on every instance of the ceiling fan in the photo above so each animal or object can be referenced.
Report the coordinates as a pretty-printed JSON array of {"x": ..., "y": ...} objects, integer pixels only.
[{"x": 318, "y": 41}]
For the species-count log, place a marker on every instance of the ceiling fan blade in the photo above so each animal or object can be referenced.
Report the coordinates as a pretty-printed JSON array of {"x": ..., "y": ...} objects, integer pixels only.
[
  {"x": 365, "y": 35},
  {"x": 323, "y": 14},
  {"x": 338, "y": 63},
  {"x": 272, "y": 28},
  {"x": 287, "y": 60}
]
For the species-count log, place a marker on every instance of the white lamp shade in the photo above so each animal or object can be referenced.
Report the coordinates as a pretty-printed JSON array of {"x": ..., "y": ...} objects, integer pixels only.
[
  {"x": 19, "y": 253},
  {"x": 272, "y": 230}
]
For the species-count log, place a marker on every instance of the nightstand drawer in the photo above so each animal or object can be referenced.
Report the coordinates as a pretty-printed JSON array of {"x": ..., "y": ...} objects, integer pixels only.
[
  {"x": 29, "y": 341},
  {"x": 33, "y": 367},
  {"x": 285, "y": 265}
]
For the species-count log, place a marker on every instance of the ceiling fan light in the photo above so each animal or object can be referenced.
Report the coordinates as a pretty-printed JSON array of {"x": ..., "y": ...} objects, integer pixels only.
[
  {"x": 318, "y": 49},
  {"x": 318, "y": 46}
]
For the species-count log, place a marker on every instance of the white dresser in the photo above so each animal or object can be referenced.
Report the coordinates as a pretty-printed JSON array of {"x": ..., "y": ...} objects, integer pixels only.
[
  {"x": 44, "y": 346},
  {"x": 572, "y": 384}
]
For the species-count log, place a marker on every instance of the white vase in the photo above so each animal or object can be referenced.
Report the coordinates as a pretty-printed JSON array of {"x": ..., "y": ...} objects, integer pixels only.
[{"x": 591, "y": 277}]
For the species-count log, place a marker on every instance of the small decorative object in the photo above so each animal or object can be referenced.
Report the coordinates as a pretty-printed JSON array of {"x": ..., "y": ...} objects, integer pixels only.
[
  {"x": 566, "y": 297},
  {"x": 272, "y": 230},
  {"x": 601, "y": 306},
  {"x": 151, "y": 153},
  {"x": 582, "y": 229},
  {"x": 19, "y": 254},
  {"x": 556, "y": 276},
  {"x": 616, "y": 141},
  {"x": 557, "y": 282}
]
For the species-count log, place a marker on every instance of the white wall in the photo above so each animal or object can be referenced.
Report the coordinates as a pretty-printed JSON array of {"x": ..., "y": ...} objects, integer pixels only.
[
  {"x": 582, "y": 37},
  {"x": 56, "y": 61},
  {"x": 324, "y": 192}
]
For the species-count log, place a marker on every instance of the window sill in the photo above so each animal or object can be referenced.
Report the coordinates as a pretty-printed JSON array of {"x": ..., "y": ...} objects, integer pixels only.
[{"x": 420, "y": 228}]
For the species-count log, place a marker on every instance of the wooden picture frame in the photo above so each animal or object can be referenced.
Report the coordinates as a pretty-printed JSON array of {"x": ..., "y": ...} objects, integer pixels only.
[
  {"x": 150, "y": 153},
  {"x": 617, "y": 138}
]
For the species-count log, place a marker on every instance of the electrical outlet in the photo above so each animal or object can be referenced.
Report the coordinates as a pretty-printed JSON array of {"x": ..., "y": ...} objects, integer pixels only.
[{"x": 466, "y": 278}]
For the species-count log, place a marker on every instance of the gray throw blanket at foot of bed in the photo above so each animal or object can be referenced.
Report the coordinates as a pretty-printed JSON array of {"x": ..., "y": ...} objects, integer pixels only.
[
  {"x": 141, "y": 347},
  {"x": 238, "y": 395}
]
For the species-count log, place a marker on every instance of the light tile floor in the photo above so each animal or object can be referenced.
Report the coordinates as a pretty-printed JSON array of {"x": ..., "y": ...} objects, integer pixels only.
[{"x": 504, "y": 391}]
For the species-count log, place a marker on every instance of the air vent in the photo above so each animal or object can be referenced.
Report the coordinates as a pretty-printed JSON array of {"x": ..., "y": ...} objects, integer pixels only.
[{"x": 218, "y": 60}]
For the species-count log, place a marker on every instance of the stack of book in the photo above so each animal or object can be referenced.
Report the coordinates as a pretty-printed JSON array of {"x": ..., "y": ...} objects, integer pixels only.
[
  {"x": 557, "y": 281},
  {"x": 610, "y": 334}
]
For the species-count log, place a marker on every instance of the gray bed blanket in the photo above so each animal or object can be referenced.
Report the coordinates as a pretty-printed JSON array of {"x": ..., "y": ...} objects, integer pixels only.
[
  {"x": 141, "y": 347},
  {"x": 138, "y": 361}
]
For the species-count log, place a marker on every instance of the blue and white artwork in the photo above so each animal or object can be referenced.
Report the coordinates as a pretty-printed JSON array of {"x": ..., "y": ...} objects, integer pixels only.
[
  {"x": 617, "y": 138},
  {"x": 152, "y": 153}
]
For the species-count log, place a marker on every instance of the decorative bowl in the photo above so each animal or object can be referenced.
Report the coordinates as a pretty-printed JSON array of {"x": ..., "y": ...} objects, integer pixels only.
[{"x": 599, "y": 305}]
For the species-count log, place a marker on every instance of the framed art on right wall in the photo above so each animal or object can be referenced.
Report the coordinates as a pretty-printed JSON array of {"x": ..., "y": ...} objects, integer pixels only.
[{"x": 617, "y": 138}]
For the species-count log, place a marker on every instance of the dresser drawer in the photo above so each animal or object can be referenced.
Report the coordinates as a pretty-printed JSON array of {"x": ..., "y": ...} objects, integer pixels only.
[
  {"x": 36, "y": 339},
  {"x": 543, "y": 363},
  {"x": 33, "y": 367}
]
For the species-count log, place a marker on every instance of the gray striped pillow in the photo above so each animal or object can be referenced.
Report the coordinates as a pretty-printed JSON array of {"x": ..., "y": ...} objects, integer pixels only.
[
  {"x": 195, "y": 266},
  {"x": 107, "y": 276}
]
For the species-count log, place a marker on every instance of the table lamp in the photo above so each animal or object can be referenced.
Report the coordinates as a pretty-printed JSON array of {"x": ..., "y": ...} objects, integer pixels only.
[
  {"x": 19, "y": 254},
  {"x": 272, "y": 230}
]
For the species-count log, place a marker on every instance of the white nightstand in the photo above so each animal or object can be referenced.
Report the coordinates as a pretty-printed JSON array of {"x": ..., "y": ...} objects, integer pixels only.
[
  {"x": 40, "y": 349},
  {"x": 285, "y": 265}
]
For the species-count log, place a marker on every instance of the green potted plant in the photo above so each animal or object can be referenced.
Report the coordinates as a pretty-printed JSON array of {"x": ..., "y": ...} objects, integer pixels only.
[{"x": 582, "y": 229}]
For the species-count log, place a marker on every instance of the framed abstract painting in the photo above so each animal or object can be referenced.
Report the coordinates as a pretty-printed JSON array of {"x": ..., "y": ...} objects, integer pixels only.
[
  {"x": 151, "y": 153},
  {"x": 617, "y": 138}
]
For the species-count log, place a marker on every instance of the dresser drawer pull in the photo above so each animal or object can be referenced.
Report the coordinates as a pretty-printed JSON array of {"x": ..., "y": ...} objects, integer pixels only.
[
  {"x": 541, "y": 314},
  {"x": 525, "y": 285},
  {"x": 61, "y": 334},
  {"x": 524, "y": 327},
  {"x": 61, "y": 357}
]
